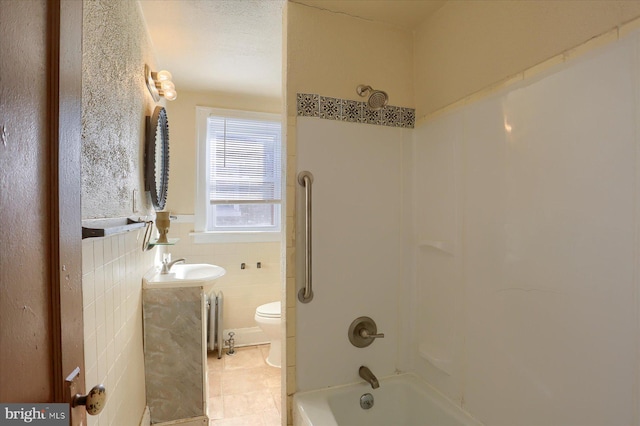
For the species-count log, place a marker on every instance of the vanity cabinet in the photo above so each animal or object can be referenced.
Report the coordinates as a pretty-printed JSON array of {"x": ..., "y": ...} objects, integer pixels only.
[{"x": 175, "y": 354}]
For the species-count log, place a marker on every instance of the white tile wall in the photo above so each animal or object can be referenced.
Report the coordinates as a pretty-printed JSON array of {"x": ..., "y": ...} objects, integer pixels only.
[{"x": 112, "y": 269}]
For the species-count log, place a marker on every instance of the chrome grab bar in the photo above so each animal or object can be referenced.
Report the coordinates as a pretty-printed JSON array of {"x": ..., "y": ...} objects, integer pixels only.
[{"x": 305, "y": 295}]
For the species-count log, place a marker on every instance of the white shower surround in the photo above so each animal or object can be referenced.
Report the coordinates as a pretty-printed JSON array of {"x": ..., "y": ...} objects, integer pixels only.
[
  {"x": 356, "y": 248},
  {"x": 510, "y": 281}
]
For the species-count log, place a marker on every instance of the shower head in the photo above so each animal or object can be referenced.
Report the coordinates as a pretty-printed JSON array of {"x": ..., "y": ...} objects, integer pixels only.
[{"x": 377, "y": 98}]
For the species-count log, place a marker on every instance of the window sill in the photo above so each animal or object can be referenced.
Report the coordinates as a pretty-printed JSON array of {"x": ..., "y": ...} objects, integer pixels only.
[{"x": 235, "y": 237}]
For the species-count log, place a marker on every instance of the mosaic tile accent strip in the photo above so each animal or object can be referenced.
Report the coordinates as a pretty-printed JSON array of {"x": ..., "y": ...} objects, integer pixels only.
[
  {"x": 312, "y": 105},
  {"x": 308, "y": 105},
  {"x": 352, "y": 111},
  {"x": 370, "y": 116},
  {"x": 409, "y": 117},
  {"x": 330, "y": 108},
  {"x": 392, "y": 116}
]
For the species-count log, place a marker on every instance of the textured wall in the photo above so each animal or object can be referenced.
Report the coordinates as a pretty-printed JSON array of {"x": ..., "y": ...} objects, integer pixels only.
[{"x": 115, "y": 101}]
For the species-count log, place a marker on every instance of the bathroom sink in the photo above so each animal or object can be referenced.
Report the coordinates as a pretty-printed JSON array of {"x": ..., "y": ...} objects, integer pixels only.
[
  {"x": 185, "y": 275},
  {"x": 197, "y": 271}
]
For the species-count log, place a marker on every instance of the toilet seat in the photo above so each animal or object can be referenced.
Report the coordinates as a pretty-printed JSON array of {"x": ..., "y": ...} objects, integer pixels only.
[{"x": 269, "y": 310}]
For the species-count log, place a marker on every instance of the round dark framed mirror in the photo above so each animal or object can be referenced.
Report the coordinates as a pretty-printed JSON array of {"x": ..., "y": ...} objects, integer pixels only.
[{"x": 156, "y": 156}]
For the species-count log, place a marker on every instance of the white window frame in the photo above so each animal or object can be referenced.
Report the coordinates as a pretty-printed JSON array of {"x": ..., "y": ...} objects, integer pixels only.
[{"x": 200, "y": 234}]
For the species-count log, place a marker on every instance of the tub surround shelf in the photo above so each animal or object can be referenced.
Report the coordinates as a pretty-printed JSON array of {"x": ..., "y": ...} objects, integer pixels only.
[{"x": 92, "y": 228}]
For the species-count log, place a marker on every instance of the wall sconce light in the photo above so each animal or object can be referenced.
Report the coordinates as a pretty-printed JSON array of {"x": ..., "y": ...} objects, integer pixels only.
[{"x": 160, "y": 84}]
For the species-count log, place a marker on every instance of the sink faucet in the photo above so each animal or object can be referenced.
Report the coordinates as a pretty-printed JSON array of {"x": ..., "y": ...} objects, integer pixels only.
[
  {"x": 366, "y": 374},
  {"x": 166, "y": 266}
]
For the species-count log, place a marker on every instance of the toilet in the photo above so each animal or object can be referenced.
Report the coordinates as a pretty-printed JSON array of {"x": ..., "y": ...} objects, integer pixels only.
[{"x": 268, "y": 319}]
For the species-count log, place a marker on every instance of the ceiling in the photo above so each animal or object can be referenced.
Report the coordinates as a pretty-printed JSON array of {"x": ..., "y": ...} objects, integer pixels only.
[
  {"x": 406, "y": 14},
  {"x": 232, "y": 46},
  {"x": 235, "y": 46}
]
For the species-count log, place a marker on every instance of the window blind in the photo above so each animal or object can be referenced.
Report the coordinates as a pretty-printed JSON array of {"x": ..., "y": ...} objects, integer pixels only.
[{"x": 244, "y": 161}]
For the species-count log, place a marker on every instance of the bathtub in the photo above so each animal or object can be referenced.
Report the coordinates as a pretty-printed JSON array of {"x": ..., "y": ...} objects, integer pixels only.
[{"x": 401, "y": 400}]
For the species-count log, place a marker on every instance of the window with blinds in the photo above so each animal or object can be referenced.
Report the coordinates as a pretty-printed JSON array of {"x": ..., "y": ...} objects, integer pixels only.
[{"x": 244, "y": 174}]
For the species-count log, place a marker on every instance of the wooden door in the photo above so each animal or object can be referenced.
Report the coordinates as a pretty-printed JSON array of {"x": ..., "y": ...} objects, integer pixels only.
[
  {"x": 25, "y": 266},
  {"x": 41, "y": 329}
]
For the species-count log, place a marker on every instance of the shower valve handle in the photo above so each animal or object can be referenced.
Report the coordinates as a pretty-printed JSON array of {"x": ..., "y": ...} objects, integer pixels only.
[{"x": 364, "y": 333}]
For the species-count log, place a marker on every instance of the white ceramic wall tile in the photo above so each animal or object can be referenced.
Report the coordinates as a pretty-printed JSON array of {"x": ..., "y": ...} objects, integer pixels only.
[
  {"x": 113, "y": 343},
  {"x": 108, "y": 276},
  {"x": 121, "y": 268},
  {"x": 89, "y": 315},
  {"x": 88, "y": 288},
  {"x": 91, "y": 375},
  {"x": 87, "y": 255},
  {"x": 107, "y": 251},
  {"x": 102, "y": 366},
  {"x": 98, "y": 278},
  {"x": 98, "y": 252},
  {"x": 356, "y": 248},
  {"x": 90, "y": 352},
  {"x": 100, "y": 311}
]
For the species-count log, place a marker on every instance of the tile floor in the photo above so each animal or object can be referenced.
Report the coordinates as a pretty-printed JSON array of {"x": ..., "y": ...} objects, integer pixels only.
[{"x": 243, "y": 389}]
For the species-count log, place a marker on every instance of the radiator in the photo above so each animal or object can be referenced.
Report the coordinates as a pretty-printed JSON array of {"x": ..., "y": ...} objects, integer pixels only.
[{"x": 215, "y": 340}]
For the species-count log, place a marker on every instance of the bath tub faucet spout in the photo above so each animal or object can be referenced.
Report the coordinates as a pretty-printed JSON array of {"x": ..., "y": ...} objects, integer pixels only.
[{"x": 366, "y": 374}]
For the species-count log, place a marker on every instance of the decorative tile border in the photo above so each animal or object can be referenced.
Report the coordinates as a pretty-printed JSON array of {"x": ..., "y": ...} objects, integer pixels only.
[{"x": 312, "y": 105}]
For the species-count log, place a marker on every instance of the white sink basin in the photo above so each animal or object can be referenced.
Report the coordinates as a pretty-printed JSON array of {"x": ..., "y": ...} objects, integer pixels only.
[
  {"x": 197, "y": 271},
  {"x": 185, "y": 275}
]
